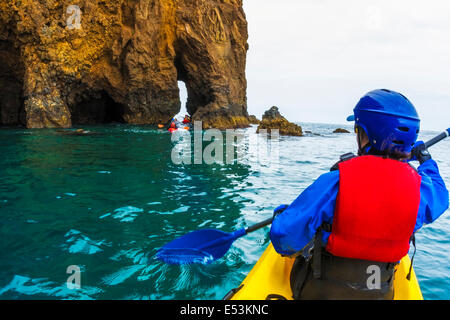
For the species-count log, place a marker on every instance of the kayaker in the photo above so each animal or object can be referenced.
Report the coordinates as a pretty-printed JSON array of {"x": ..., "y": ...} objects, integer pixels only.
[
  {"x": 172, "y": 126},
  {"x": 187, "y": 119},
  {"x": 363, "y": 214}
]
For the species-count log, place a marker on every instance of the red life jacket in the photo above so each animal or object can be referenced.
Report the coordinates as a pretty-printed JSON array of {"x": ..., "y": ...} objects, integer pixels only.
[{"x": 376, "y": 209}]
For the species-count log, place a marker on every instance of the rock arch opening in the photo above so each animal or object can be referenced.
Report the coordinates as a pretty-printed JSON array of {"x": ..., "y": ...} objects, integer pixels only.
[
  {"x": 183, "y": 100},
  {"x": 100, "y": 109},
  {"x": 198, "y": 91}
]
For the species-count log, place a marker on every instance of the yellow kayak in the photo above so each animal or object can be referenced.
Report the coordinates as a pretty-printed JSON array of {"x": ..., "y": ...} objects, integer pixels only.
[{"x": 270, "y": 276}]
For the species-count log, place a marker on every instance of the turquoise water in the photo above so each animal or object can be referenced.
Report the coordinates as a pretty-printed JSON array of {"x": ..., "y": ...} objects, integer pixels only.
[{"x": 106, "y": 202}]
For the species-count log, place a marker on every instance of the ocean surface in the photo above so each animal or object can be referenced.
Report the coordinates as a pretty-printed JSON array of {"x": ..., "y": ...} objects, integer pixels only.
[{"x": 106, "y": 202}]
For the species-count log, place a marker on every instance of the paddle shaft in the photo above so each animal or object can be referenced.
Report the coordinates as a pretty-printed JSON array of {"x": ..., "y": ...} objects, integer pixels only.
[
  {"x": 239, "y": 233},
  {"x": 259, "y": 225},
  {"x": 438, "y": 138}
]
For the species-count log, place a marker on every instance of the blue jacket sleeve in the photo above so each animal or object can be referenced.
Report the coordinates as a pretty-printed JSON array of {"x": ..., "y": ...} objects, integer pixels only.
[
  {"x": 434, "y": 199},
  {"x": 293, "y": 229}
]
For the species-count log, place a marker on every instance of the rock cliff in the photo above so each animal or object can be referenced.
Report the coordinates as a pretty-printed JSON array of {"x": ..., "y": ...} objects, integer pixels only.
[{"x": 67, "y": 62}]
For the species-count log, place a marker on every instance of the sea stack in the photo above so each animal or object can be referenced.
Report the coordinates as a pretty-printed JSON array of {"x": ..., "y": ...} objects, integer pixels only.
[{"x": 272, "y": 119}]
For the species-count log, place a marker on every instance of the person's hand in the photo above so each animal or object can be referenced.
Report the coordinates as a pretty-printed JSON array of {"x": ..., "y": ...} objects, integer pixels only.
[
  {"x": 420, "y": 153},
  {"x": 278, "y": 210}
]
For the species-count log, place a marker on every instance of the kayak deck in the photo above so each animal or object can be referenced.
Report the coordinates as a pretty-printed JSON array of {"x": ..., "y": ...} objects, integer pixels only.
[{"x": 270, "y": 276}]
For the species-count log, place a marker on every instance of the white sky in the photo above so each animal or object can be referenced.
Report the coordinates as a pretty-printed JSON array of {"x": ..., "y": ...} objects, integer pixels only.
[{"x": 314, "y": 59}]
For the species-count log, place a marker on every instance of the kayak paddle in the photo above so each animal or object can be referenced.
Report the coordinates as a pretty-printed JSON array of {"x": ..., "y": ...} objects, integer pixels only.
[
  {"x": 208, "y": 245},
  {"x": 438, "y": 138},
  {"x": 203, "y": 246}
]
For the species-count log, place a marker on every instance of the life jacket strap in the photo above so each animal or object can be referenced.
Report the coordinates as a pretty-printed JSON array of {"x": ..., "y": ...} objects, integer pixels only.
[
  {"x": 299, "y": 275},
  {"x": 317, "y": 256},
  {"x": 413, "y": 240},
  {"x": 317, "y": 253}
]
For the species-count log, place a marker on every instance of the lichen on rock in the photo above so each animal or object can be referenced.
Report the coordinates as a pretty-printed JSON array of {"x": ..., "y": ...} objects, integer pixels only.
[
  {"x": 272, "y": 119},
  {"x": 122, "y": 62}
]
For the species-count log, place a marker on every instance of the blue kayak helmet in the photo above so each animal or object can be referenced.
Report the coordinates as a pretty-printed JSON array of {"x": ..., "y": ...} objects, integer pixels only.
[{"x": 389, "y": 119}]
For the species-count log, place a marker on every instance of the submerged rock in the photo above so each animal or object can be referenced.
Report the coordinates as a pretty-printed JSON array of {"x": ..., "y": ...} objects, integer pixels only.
[
  {"x": 341, "y": 130},
  {"x": 78, "y": 132},
  {"x": 312, "y": 133},
  {"x": 121, "y": 60},
  {"x": 272, "y": 119}
]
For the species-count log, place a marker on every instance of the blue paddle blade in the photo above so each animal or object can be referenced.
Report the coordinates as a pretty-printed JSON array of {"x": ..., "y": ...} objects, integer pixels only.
[
  {"x": 202, "y": 246},
  {"x": 184, "y": 256}
]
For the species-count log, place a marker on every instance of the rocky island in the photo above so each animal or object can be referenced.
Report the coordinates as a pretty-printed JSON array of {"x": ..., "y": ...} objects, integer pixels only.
[
  {"x": 120, "y": 61},
  {"x": 341, "y": 130},
  {"x": 272, "y": 119}
]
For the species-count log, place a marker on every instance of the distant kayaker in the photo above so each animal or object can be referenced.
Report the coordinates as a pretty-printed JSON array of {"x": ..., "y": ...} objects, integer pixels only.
[
  {"x": 187, "y": 119},
  {"x": 360, "y": 218},
  {"x": 173, "y": 126}
]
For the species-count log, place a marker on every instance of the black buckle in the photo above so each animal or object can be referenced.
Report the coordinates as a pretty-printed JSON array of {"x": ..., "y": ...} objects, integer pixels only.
[{"x": 347, "y": 156}]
